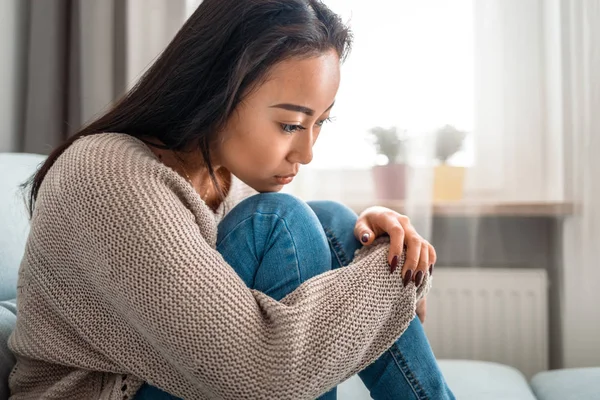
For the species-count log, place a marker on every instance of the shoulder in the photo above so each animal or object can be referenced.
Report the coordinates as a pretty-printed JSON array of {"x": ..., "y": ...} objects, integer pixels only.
[
  {"x": 108, "y": 153},
  {"x": 110, "y": 167},
  {"x": 109, "y": 159},
  {"x": 113, "y": 183}
]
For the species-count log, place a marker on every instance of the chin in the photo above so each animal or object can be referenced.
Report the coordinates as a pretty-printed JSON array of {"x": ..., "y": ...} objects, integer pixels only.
[
  {"x": 265, "y": 188},
  {"x": 274, "y": 189}
]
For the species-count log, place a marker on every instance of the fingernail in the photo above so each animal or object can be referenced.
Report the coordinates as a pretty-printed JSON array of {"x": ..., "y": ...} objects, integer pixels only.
[
  {"x": 365, "y": 237},
  {"x": 431, "y": 270},
  {"x": 419, "y": 278},
  {"x": 394, "y": 264},
  {"x": 407, "y": 277}
]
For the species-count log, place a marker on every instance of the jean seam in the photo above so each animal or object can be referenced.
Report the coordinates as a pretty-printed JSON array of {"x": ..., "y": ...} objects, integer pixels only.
[
  {"x": 233, "y": 229},
  {"x": 410, "y": 377},
  {"x": 337, "y": 247},
  {"x": 287, "y": 229}
]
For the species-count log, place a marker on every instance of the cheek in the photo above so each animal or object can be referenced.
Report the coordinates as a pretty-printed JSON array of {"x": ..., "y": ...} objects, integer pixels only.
[
  {"x": 260, "y": 150},
  {"x": 268, "y": 150}
]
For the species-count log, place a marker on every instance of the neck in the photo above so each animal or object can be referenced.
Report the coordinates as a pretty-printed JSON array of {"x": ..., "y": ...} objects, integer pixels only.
[{"x": 191, "y": 164}]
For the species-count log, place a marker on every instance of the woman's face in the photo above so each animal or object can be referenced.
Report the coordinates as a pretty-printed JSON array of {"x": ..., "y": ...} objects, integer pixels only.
[{"x": 274, "y": 128}]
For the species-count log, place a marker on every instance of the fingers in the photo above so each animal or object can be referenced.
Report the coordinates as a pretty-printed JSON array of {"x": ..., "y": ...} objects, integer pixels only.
[
  {"x": 413, "y": 254},
  {"x": 420, "y": 255},
  {"x": 432, "y": 259},
  {"x": 423, "y": 265},
  {"x": 396, "y": 232},
  {"x": 363, "y": 232}
]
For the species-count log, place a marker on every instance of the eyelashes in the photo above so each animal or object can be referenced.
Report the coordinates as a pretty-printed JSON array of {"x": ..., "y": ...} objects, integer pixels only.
[
  {"x": 289, "y": 128},
  {"x": 324, "y": 121}
]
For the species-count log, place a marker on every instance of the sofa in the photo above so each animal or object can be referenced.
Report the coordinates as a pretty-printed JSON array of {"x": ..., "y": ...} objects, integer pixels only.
[{"x": 476, "y": 380}]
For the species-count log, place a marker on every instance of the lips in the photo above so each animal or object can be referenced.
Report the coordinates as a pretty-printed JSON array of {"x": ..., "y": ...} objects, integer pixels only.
[{"x": 284, "y": 179}]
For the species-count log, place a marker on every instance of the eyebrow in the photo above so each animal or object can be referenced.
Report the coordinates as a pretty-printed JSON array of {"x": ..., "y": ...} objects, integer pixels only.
[{"x": 297, "y": 108}]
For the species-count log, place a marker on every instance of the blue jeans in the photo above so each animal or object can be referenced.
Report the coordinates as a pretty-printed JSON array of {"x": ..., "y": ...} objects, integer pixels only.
[{"x": 275, "y": 242}]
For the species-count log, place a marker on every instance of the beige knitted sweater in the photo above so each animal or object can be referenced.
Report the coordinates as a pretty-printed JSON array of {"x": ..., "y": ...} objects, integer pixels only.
[{"x": 121, "y": 284}]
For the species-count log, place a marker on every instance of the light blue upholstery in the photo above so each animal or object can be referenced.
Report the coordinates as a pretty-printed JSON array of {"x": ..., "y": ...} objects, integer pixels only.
[
  {"x": 14, "y": 224},
  {"x": 14, "y": 228},
  {"x": 353, "y": 389},
  {"x": 469, "y": 380},
  {"x": 480, "y": 380},
  {"x": 567, "y": 384},
  {"x": 8, "y": 318}
]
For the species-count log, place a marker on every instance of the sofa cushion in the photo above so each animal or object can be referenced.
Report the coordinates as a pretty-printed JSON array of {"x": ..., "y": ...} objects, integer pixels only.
[
  {"x": 16, "y": 168},
  {"x": 567, "y": 384},
  {"x": 8, "y": 311},
  {"x": 475, "y": 380},
  {"x": 353, "y": 389},
  {"x": 480, "y": 380}
]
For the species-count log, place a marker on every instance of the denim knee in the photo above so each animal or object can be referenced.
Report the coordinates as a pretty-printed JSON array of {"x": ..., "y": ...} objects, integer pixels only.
[
  {"x": 274, "y": 242},
  {"x": 338, "y": 223},
  {"x": 285, "y": 206},
  {"x": 328, "y": 209},
  {"x": 275, "y": 202}
]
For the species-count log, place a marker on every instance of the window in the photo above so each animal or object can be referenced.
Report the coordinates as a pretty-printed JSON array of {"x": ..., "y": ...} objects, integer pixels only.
[{"x": 411, "y": 66}]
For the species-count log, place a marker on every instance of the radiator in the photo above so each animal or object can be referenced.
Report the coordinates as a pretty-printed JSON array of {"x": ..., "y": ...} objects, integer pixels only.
[{"x": 498, "y": 315}]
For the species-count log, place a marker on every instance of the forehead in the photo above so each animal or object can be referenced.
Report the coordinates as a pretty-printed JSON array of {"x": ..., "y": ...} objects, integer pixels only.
[{"x": 311, "y": 82}]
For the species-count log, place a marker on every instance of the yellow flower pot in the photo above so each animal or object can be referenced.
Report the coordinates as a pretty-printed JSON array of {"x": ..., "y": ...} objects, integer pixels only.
[{"x": 448, "y": 183}]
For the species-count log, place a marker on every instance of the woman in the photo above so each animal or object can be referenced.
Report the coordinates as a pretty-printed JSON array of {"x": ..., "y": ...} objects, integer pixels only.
[{"x": 151, "y": 273}]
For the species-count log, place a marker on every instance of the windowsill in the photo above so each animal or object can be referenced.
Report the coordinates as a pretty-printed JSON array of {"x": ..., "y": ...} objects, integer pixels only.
[{"x": 480, "y": 208}]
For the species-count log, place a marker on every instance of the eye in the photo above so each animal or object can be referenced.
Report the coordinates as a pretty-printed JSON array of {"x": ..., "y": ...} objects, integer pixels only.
[
  {"x": 288, "y": 128},
  {"x": 323, "y": 121}
]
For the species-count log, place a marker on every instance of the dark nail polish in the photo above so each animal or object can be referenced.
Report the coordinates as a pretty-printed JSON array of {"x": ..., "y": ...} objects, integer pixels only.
[
  {"x": 431, "y": 270},
  {"x": 365, "y": 238},
  {"x": 407, "y": 277},
  {"x": 394, "y": 264},
  {"x": 419, "y": 278}
]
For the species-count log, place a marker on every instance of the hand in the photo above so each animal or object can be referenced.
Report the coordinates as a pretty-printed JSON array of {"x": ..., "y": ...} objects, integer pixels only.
[
  {"x": 420, "y": 255},
  {"x": 422, "y": 309}
]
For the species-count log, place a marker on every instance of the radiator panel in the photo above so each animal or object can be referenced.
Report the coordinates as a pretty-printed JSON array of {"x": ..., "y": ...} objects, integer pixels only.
[{"x": 498, "y": 315}]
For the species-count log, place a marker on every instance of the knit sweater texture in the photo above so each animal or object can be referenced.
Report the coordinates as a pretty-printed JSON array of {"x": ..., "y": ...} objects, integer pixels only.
[{"x": 121, "y": 284}]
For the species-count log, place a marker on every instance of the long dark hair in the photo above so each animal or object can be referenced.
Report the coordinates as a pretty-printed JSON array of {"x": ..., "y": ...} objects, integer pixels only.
[{"x": 222, "y": 51}]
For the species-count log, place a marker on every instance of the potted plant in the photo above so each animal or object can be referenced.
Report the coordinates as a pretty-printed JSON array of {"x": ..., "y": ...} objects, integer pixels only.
[
  {"x": 448, "y": 181},
  {"x": 390, "y": 177}
]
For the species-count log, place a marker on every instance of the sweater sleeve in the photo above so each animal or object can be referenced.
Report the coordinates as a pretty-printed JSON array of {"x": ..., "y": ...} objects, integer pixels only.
[{"x": 168, "y": 309}]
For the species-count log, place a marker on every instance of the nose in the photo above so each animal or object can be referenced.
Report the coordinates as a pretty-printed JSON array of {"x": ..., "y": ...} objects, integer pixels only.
[{"x": 302, "y": 151}]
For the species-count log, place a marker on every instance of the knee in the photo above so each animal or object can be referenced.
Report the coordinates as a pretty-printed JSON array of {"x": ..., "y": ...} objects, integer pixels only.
[
  {"x": 281, "y": 204},
  {"x": 271, "y": 199},
  {"x": 332, "y": 212},
  {"x": 332, "y": 207},
  {"x": 285, "y": 206}
]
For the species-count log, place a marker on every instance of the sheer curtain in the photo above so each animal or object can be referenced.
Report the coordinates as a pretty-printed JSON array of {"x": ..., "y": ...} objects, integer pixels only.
[
  {"x": 538, "y": 135},
  {"x": 580, "y": 69}
]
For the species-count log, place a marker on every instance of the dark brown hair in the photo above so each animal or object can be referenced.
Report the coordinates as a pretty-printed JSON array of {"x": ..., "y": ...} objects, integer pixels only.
[{"x": 222, "y": 51}]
